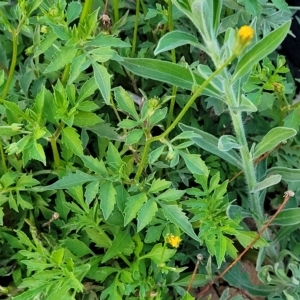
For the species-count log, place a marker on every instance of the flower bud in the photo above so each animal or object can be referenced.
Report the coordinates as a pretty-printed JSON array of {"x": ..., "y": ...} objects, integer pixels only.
[{"x": 244, "y": 36}]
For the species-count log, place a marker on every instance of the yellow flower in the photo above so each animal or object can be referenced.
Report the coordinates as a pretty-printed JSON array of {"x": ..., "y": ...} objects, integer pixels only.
[
  {"x": 244, "y": 36},
  {"x": 173, "y": 240}
]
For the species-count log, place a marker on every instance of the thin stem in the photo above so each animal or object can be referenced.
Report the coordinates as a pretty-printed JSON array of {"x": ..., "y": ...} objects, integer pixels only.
[
  {"x": 173, "y": 57},
  {"x": 180, "y": 116},
  {"x": 3, "y": 162},
  {"x": 55, "y": 152},
  {"x": 136, "y": 24},
  {"x": 15, "y": 34},
  {"x": 116, "y": 10},
  {"x": 87, "y": 7}
]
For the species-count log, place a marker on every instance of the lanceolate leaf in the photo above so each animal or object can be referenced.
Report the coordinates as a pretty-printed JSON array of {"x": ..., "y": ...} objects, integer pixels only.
[
  {"x": 209, "y": 143},
  {"x": 273, "y": 138},
  {"x": 288, "y": 217},
  {"x": 175, "y": 39},
  {"x": 71, "y": 180},
  {"x": 287, "y": 174},
  {"x": 146, "y": 214},
  {"x": 176, "y": 216},
  {"x": 107, "y": 198},
  {"x": 167, "y": 72}
]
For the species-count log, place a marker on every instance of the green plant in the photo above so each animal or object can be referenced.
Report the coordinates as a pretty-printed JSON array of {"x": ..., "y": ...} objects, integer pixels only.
[{"x": 102, "y": 195}]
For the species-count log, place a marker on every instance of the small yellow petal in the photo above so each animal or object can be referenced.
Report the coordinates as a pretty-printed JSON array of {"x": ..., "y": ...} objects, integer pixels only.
[{"x": 173, "y": 240}]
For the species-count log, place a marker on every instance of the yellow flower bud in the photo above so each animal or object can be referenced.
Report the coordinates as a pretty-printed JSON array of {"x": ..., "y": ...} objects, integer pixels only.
[
  {"x": 44, "y": 29},
  {"x": 244, "y": 36}
]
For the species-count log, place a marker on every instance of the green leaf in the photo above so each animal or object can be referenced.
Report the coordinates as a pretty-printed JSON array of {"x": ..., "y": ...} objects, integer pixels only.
[
  {"x": 252, "y": 7},
  {"x": 209, "y": 143},
  {"x": 293, "y": 119},
  {"x": 260, "y": 50},
  {"x": 45, "y": 44},
  {"x": 38, "y": 153},
  {"x": 102, "y": 40},
  {"x": 85, "y": 119},
  {"x": 125, "y": 102},
  {"x": 286, "y": 174},
  {"x": 170, "y": 195},
  {"x": 94, "y": 165},
  {"x": 113, "y": 157},
  {"x": 176, "y": 216},
  {"x": 102, "y": 78},
  {"x": 134, "y": 136},
  {"x": 287, "y": 217},
  {"x": 71, "y": 139},
  {"x": 87, "y": 89},
  {"x": 127, "y": 124},
  {"x": 159, "y": 254},
  {"x": 107, "y": 198},
  {"x": 103, "y": 130},
  {"x": 98, "y": 236},
  {"x": 159, "y": 185},
  {"x": 146, "y": 214},
  {"x": 220, "y": 245},
  {"x": 176, "y": 39},
  {"x": 228, "y": 142},
  {"x": 91, "y": 191},
  {"x": 167, "y": 72},
  {"x": 269, "y": 181},
  {"x": 73, "y": 11},
  {"x": 62, "y": 58},
  {"x": 246, "y": 237},
  {"x": 272, "y": 139},
  {"x": 194, "y": 163},
  {"x": 71, "y": 180},
  {"x": 57, "y": 256},
  {"x": 87, "y": 106},
  {"x": 133, "y": 205},
  {"x": 120, "y": 244}
]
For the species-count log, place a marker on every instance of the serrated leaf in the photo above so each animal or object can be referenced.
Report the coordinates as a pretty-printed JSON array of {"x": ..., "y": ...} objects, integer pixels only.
[
  {"x": 102, "y": 78},
  {"x": 62, "y": 58},
  {"x": 120, "y": 243},
  {"x": 91, "y": 191},
  {"x": 170, "y": 195},
  {"x": 86, "y": 119},
  {"x": 146, "y": 214},
  {"x": 71, "y": 180},
  {"x": 113, "y": 157},
  {"x": 125, "y": 102},
  {"x": 133, "y": 205},
  {"x": 220, "y": 245},
  {"x": 194, "y": 163},
  {"x": 272, "y": 139},
  {"x": 159, "y": 185},
  {"x": 176, "y": 216},
  {"x": 94, "y": 165},
  {"x": 159, "y": 254},
  {"x": 87, "y": 89},
  {"x": 71, "y": 139},
  {"x": 73, "y": 11},
  {"x": 107, "y": 198}
]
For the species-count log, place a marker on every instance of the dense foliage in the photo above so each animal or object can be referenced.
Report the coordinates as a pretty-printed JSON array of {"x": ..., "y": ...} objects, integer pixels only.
[{"x": 143, "y": 145}]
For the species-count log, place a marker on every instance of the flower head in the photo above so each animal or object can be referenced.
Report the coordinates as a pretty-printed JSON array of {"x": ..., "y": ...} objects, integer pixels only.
[
  {"x": 173, "y": 240},
  {"x": 244, "y": 36}
]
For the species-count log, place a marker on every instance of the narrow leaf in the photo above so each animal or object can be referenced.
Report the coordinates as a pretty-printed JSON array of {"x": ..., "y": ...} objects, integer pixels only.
[
  {"x": 272, "y": 139},
  {"x": 269, "y": 181},
  {"x": 108, "y": 198},
  {"x": 176, "y": 216}
]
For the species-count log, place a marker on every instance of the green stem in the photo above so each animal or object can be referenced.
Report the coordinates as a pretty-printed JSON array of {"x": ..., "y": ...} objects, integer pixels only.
[
  {"x": 198, "y": 91},
  {"x": 53, "y": 143},
  {"x": 247, "y": 161},
  {"x": 3, "y": 162},
  {"x": 55, "y": 152},
  {"x": 173, "y": 58},
  {"x": 12, "y": 65},
  {"x": 136, "y": 24},
  {"x": 116, "y": 10},
  {"x": 87, "y": 7}
]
